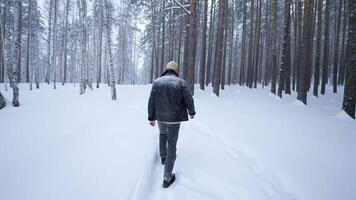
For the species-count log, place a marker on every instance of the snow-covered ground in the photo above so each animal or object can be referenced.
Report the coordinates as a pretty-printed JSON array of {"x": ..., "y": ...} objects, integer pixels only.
[{"x": 247, "y": 145}]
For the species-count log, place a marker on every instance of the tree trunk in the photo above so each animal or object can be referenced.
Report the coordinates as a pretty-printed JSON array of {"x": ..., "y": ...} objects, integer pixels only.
[
  {"x": 54, "y": 44},
  {"x": 318, "y": 49},
  {"x": 2, "y": 48},
  {"x": 203, "y": 47},
  {"x": 336, "y": 51},
  {"x": 307, "y": 51},
  {"x": 284, "y": 71},
  {"x": 243, "y": 46},
  {"x": 274, "y": 46},
  {"x": 49, "y": 38},
  {"x": 350, "y": 86},
  {"x": 341, "y": 77},
  {"x": 108, "y": 50},
  {"x": 28, "y": 48},
  {"x": 324, "y": 79},
  {"x": 65, "y": 44},
  {"x": 82, "y": 6},
  {"x": 17, "y": 53},
  {"x": 219, "y": 47},
  {"x": 250, "y": 47},
  {"x": 211, "y": 41}
]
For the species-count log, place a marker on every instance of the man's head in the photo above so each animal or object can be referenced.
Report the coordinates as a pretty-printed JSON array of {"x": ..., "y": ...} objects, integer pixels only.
[{"x": 173, "y": 65}]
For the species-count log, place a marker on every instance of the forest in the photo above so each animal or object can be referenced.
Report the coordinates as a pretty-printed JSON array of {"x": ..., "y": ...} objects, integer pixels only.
[
  {"x": 283, "y": 46},
  {"x": 94, "y": 93}
]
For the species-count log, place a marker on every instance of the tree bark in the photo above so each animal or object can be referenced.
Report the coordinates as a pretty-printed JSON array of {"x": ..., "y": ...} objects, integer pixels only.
[
  {"x": 350, "y": 86},
  {"x": 318, "y": 49},
  {"x": 336, "y": 51},
  {"x": 324, "y": 79},
  {"x": 284, "y": 71},
  {"x": 203, "y": 47},
  {"x": 49, "y": 38},
  {"x": 219, "y": 47},
  {"x": 307, "y": 51},
  {"x": 17, "y": 53}
]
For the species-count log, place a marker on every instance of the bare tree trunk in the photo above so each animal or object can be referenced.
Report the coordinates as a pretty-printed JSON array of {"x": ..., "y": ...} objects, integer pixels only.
[
  {"x": 54, "y": 44},
  {"x": 251, "y": 46},
  {"x": 28, "y": 48},
  {"x": 274, "y": 46},
  {"x": 257, "y": 43},
  {"x": 2, "y": 48},
  {"x": 82, "y": 6},
  {"x": 318, "y": 49},
  {"x": 203, "y": 47},
  {"x": 49, "y": 38},
  {"x": 336, "y": 51},
  {"x": 284, "y": 71},
  {"x": 219, "y": 47},
  {"x": 341, "y": 77},
  {"x": 326, "y": 49},
  {"x": 307, "y": 51},
  {"x": 108, "y": 50},
  {"x": 243, "y": 44},
  {"x": 211, "y": 41},
  {"x": 65, "y": 44},
  {"x": 17, "y": 52},
  {"x": 350, "y": 86}
]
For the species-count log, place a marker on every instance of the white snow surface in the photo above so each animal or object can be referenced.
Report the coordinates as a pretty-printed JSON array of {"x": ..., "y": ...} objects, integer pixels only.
[{"x": 245, "y": 145}]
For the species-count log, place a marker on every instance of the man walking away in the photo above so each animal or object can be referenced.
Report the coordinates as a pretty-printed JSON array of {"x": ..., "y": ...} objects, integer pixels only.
[{"x": 169, "y": 103}]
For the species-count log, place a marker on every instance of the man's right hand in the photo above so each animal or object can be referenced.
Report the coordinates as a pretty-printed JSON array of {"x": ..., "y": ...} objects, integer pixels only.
[
  {"x": 152, "y": 123},
  {"x": 192, "y": 116}
]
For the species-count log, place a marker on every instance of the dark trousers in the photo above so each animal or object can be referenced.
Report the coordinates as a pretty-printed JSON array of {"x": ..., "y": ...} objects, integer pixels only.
[{"x": 168, "y": 146}]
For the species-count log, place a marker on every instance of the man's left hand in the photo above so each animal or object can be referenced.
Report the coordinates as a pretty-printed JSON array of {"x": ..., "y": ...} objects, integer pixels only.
[{"x": 152, "y": 123}]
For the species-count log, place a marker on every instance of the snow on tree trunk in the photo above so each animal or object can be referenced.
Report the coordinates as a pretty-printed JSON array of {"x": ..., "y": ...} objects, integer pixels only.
[
  {"x": 108, "y": 49},
  {"x": 17, "y": 53}
]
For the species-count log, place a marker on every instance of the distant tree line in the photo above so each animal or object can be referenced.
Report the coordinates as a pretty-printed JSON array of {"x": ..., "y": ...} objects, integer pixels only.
[{"x": 287, "y": 45}]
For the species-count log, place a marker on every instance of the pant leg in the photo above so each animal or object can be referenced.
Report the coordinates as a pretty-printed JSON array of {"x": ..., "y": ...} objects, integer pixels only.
[
  {"x": 163, "y": 132},
  {"x": 173, "y": 130}
]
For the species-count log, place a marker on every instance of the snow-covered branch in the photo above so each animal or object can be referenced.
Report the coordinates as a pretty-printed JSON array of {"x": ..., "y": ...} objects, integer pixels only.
[{"x": 182, "y": 6}]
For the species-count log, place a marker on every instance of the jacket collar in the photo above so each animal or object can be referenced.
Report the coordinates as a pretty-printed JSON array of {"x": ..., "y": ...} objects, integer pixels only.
[{"x": 170, "y": 72}]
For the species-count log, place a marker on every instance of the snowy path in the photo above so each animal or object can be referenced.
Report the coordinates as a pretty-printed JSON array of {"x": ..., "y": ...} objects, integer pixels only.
[
  {"x": 233, "y": 176},
  {"x": 246, "y": 145}
]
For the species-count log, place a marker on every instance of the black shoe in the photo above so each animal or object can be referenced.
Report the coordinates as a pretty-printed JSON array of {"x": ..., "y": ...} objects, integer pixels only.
[
  {"x": 166, "y": 184},
  {"x": 163, "y": 160}
]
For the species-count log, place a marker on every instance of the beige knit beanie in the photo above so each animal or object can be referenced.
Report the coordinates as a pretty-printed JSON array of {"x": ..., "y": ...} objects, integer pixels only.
[{"x": 172, "y": 65}]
